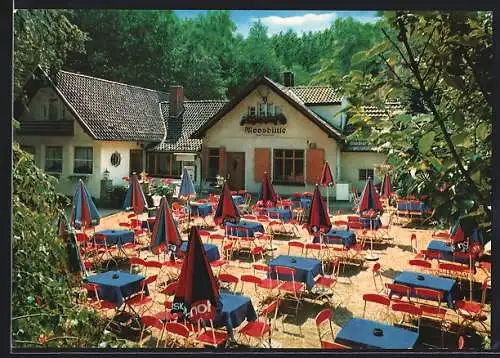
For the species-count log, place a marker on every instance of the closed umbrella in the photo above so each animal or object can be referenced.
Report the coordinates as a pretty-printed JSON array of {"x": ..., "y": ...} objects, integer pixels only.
[
  {"x": 319, "y": 220},
  {"x": 186, "y": 191},
  {"x": 267, "y": 193},
  {"x": 135, "y": 199},
  {"x": 165, "y": 230},
  {"x": 386, "y": 190},
  {"x": 196, "y": 280},
  {"x": 370, "y": 207},
  {"x": 226, "y": 208},
  {"x": 84, "y": 213},
  {"x": 327, "y": 180}
]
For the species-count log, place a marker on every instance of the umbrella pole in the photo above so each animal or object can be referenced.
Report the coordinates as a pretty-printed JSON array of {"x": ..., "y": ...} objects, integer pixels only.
[
  {"x": 371, "y": 257},
  {"x": 327, "y": 200}
]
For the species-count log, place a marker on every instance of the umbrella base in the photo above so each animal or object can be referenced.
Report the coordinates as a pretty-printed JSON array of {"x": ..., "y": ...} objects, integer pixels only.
[{"x": 371, "y": 257}]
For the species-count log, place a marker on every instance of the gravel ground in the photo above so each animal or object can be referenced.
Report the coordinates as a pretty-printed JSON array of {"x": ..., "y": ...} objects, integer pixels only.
[{"x": 352, "y": 284}]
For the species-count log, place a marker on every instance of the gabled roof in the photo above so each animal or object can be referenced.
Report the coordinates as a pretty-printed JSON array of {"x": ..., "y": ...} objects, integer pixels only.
[
  {"x": 179, "y": 128},
  {"x": 315, "y": 95},
  {"x": 113, "y": 110},
  {"x": 285, "y": 92}
]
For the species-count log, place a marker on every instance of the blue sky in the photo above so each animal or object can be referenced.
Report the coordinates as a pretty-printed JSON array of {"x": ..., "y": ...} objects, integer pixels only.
[{"x": 282, "y": 20}]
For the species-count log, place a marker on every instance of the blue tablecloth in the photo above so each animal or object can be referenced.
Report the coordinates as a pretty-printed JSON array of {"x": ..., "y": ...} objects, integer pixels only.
[
  {"x": 445, "y": 285},
  {"x": 338, "y": 236},
  {"x": 116, "y": 290},
  {"x": 375, "y": 223},
  {"x": 252, "y": 227},
  {"x": 358, "y": 333},
  {"x": 305, "y": 202},
  {"x": 235, "y": 309},
  {"x": 409, "y": 206},
  {"x": 116, "y": 237},
  {"x": 238, "y": 199},
  {"x": 284, "y": 214},
  {"x": 211, "y": 250},
  {"x": 200, "y": 209},
  {"x": 305, "y": 268},
  {"x": 446, "y": 251}
]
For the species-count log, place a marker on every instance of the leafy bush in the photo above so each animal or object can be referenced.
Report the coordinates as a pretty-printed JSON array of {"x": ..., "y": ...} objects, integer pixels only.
[{"x": 44, "y": 314}]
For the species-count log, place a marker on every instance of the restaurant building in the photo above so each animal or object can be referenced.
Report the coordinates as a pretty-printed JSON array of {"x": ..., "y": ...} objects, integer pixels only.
[{"x": 79, "y": 126}]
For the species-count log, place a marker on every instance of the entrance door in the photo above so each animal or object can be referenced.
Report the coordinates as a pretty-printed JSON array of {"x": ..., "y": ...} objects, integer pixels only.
[
  {"x": 135, "y": 161},
  {"x": 236, "y": 170}
]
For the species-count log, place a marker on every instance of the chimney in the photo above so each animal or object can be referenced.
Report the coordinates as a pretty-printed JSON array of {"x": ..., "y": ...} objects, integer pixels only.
[
  {"x": 288, "y": 79},
  {"x": 176, "y": 102}
]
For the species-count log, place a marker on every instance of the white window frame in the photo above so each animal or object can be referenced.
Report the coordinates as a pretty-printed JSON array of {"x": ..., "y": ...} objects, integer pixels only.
[
  {"x": 75, "y": 159},
  {"x": 47, "y": 148}
]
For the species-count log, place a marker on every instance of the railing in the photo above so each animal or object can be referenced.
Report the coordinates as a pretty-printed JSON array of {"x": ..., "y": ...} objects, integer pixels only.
[{"x": 46, "y": 128}]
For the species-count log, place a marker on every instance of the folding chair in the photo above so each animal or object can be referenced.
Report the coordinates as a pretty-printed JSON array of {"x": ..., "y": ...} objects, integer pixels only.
[
  {"x": 421, "y": 265},
  {"x": 472, "y": 312},
  {"x": 289, "y": 291},
  {"x": 267, "y": 284},
  {"x": 314, "y": 249},
  {"x": 262, "y": 326},
  {"x": 227, "y": 281},
  {"x": 150, "y": 323},
  {"x": 377, "y": 271},
  {"x": 140, "y": 299},
  {"x": 378, "y": 299},
  {"x": 412, "y": 311},
  {"x": 428, "y": 295},
  {"x": 136, "y": 262},
  {"x": 98, "y": 303},
  {"x": 398, "y": 290},
  {"x": 324, "y": 285},
  {"x": 323, "y": 321},
  {"x": 297, "y": 244},
  {"x": 434, "y": 315},
  {"x": 105, "y": 249},
  {"x": 177, "y": 332},
  {"x": 207, "y": 335}
]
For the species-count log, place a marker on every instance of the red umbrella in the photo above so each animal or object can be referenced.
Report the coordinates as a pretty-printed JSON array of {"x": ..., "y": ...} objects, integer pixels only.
[
  {"x": 327, "y": 180},
  {"x": 196, "y": 281},
  {"x": 267, "y": 192},
  {"x": 226, "y": 208},
  {"x": 318, "y": 215},
  {"x": 135, "y": 198},
  {"x": 369, "y": 198},
  {"x": 386, "y": 187},
  {"x": 165, "y": 230}
]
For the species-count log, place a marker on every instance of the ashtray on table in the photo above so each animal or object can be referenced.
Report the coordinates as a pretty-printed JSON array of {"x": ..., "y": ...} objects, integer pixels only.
[
  {"x": 115, "y": 276},
  {"x": 420, "y": 278},
  {"x": 378, "y": 332}
]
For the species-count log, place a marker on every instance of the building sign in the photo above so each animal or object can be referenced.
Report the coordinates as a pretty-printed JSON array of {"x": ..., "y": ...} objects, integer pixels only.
[
  {"x": 265, "y": 131},
  {"x": 190, "y": 170}
]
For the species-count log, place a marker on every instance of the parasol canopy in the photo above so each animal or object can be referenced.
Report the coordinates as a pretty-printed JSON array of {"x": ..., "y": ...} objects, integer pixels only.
[
  {"x": 135, "y": 199},
  {"x": 226, "y": 208},
  {"x": 165, "y": 230},
  {"x": 318, "y": 215},
  {"x": 369, "y": 198},
  {"x": 84, "y": 213}
]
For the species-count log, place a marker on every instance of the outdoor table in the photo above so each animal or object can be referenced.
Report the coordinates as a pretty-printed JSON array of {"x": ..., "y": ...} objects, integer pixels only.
[
  {"x": 117, "y": 289},
  {"x": 211, "y": 250},
  {"x": 284, "y": 214},
  {"x": 446, "y": 252},
  {"x": 200, "y": 209},
  {"x": 366, "y": 222},
  {"x": 306, "y": 269},
  {"x": 238, "y": 199},
  {"x": 339, "y": 236},
  {"x": 407, "y": 205},
  {"x": 149, "y": 223},
  {"x": 446, "y": 285},
  {"x": 359, "y": 333},
  {"x": 233, "y": 310},
  {"x": 305, "y": 203},
  {"x": 252, "y": 227},
  {"x": 115, "y": 237}
]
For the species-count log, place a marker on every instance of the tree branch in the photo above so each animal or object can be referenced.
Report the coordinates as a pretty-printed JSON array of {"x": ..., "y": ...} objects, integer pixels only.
[
  {"x": 397, "y": 47},
  {"x": 395, "y": 74},
  {"x": 425, "y": 46},
  {"x": 439, "y": 119}
]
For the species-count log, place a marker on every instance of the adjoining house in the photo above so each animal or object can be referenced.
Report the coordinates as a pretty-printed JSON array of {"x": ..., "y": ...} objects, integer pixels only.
[{"x": 78, "y": 126}]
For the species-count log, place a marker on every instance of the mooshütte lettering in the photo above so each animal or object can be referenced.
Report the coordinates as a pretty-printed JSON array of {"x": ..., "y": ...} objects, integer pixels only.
[{"x": 265, "y": 131}]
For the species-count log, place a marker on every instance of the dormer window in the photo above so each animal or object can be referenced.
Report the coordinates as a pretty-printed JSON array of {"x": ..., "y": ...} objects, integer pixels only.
[
  {"x": 251, "y": 111},
  {"x": 53, "y": 115},
  {"x": 262, "y": 109}
]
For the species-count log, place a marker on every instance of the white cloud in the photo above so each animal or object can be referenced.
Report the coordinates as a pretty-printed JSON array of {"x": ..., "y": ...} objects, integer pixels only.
[{"x": 303, "y": 23}]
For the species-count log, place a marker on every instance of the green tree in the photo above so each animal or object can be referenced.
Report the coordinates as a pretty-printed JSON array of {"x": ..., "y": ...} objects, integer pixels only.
[
  {"x": 442, "y": 64},
  {"x": 44, "y": 313},
  {"x": 45, "y": 38}
]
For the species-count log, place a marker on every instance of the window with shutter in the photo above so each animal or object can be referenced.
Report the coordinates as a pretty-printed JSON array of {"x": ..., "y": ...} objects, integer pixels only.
[
  {"x": 262, "y": 163},
  {"x": 315, "y": 161}
]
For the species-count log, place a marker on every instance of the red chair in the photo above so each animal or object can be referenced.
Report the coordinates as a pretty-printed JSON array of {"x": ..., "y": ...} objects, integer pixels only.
[
  {"x": 378, "y": 299},
  {"x": 252, "y": 279},
  {"x": 260, "y": 328},
  {"x": 290, "y": 290},
  {"x": 410, "y": 310},
  {"x": 141, "y": 298},
  {"x": 461, "y": 343},
  {"x": 208, "y": 335},
  {"x": 341, "y": 223},
  {"x": 398, "y": 290},
  {"x": 136, "y": 261},
  {"x": 324, "y": 320},
  {"x": 221, "y": 265},
  {"x": 377, "y": 271},
  {"x": 153, "y": 264},
  {"x": 177, "y": 331},
  {"x": 297, "y": 244},
  {"x": 124, "y": 224},
  {"x": 262, "y": 218},
  {"x": 310, "y": 247},
  {"x": 95, "y": 301},
  {"x": 421, "y": 264},
  {"x": 85, "y": 245},
  {"x": 324, "y": 285},
  {"x": 471, "y": 312},
  {"x": 227, "y": 281},
  {"x": 170, "y": 289},
  {"x": 428, "y": 295},
  {"x": 149, "y": 323},
  {"x": 434, "y": 314},
  {"x": 432, "y": 255},
  {"x": 267, "y": 284},
  {"x": 204, "y": 235},
  {"x": 249, "y": 217},
  {"x": 413, "y": 239},
  {"x": 255, "y": 251},
  {"x": 333, "y": 346},
  {"x": 217, "y": 237}
]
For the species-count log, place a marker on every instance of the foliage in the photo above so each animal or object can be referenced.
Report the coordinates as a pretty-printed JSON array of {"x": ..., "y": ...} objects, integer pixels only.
[
  {"x": 45, "y": 38},
  {"x": 42, "y": 310},
  {"x": 440, "y": 65}
]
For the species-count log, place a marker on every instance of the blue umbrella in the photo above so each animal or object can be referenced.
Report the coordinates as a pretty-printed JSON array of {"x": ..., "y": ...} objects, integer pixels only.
[
  {"x": 135, "y": 198},
  {"x": 84, "y": 213},
  {"x": 186, "y": 191}
]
